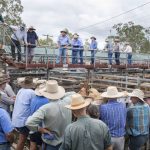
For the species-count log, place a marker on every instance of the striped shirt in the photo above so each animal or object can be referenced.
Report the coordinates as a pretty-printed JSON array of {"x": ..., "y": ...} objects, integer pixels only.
[
  {"x": 138, "y": 119},
  {"x": 114, "y": 115}
]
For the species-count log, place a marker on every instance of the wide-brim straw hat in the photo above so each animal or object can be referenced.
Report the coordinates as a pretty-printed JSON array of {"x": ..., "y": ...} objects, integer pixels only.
[
  {"x": 78, "y": 102},
  {"x": 137, "y": 93},
  {"x": 39, "y": 88},
  {"x": 52, "y": 90},
  {"x": 117, "y": 40},
  {"x": 112, "y": 92},
  {"x": 64, "y": 30},
  {"x": 27, "y": 83},
  {"x": 94, "y": 94}
]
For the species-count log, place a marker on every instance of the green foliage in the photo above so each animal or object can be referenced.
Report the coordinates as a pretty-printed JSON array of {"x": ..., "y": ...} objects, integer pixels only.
[
  {"x": 136, "y": 35},
  {"x": 47, "y": 42},
  {"x": 11, "y": 10}
]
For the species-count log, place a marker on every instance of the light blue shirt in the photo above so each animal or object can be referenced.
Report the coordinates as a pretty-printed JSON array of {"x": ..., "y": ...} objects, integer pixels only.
[
  {"x": 22, "y": 107},
  {"x": 93, "y": 45},
  {"x": 63, "y": 40},
  {"x": 5, "y": 125},
  {"x": 76, "y": 42}
]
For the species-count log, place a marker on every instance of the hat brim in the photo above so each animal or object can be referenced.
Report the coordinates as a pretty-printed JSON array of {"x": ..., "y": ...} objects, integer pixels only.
[
  {"x": 93, "y": 38},
  {"x": 105, "y": 95},
  {"x": 86, "y": 103},
  {"x": 132, "y": 95},
  {"x": 4, "y": 81},
  {"x": 63, "y": 31},
  {"x": 53, "y": 96}
]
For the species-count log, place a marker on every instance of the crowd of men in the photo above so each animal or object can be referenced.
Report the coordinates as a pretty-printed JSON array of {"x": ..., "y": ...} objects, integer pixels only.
[
  {"x": 57, "y": 120},
  {"x": 30, "y": 39}
]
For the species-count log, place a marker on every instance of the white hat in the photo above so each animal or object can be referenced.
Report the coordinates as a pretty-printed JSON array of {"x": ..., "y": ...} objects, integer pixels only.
[
  {"x": 137, "y": 93},
  {"x": 112, "y": 92},
  {"x": 39, "y": 88},
  {"x": 78, "y": 102},
  {"x": 52, "y": 90},
  {"x": 94, "y": 94}
]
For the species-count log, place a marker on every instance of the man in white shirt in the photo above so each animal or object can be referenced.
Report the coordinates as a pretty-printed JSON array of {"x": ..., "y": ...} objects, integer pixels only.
[
  {"x": 128, "y": 50},
  {"x": 17, "y": 37}
]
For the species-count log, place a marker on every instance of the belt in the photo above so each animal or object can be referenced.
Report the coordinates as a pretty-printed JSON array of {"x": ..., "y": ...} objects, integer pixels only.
[
  {"x": 75, "y": 46},
  {"x": 63, "y": 45}
]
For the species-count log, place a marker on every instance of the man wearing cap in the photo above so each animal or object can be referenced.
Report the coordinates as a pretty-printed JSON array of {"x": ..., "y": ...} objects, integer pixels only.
[
  {"x": 6, "y": 101},
  {"x": 138, "y": 120},
  {"x": 32, "y": 40},
  {"x": 128, "y": 50},
  {"x": 37, "y": 102},
  {"x": 113, "y": 114},
  {"x": 86, "y": 133},
  {"x": 53, "y": 116},
  {"x": 109, "y": 48},
  {"x": 76, "y": 44},
  {"x": 19, "y": 35},
  {"x": 63, "y": 43},
  {"x": 22, "y": 110},
  {"x": 93, "y": 48},
  {"x": 117, "y": 51}
]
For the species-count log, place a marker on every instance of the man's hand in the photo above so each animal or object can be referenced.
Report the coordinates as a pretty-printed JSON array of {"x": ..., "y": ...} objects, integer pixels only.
[{"x": 44, "y": 130}]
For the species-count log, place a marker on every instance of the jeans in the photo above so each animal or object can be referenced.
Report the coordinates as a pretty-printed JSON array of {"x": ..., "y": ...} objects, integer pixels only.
[
  {"x": 110, "y": 54},
  {"x": 16, "y": 44},
  {"x": 75, "y": 56},
  {"x": 50, "y": 147},
  {"x": 136, "y": 142},
  {"x": 93, "y": 52},
  {"x": 5, "y": 147},
  {"x": 118, "y": 143},
  {"x": 62, "y": 56},
  {"x": 81, "y": 56},
  {"x": 117, "y": 58},
  {"x": 129, "y": 59}
]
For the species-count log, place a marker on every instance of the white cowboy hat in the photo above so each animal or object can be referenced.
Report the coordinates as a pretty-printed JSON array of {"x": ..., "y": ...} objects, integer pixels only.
[
  {"x": 137, "y": 93},
  {"x": 52, "y": 90},
  {"x": 64, "y": 30},
  {"x": 112, "y": 92},
  {"x": 94, "y": 94},
  {"x": 39, "y": 88},
  {"x": 78, "y": 102}
]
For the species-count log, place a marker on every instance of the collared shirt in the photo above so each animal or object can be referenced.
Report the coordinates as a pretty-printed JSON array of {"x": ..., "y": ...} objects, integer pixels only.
[
  {"x": 109, "y": 47},
  {"x": 86, "y": 134},
  {"x": 54, "y": 116},
  {"x": 128, "y": 49},
  {"x": 32, "y": 38},
  {"x": 37, "y": 102},
  {"x": 19, "y": 35},
  {"x": 114, "y": 115},
  {"x": 76, "y": 42},
  {"x": 9, "y": 91},
  {"x": 63, "y": 40},
  {"x": 5, "y": 125},
  {"x": 117, "y": 47},
  {"x": 93, "y": 45},
  {"x": 22, "y": 107},
  {"x": 6, "y": 101},
  {"x": 138, "y": 119}
]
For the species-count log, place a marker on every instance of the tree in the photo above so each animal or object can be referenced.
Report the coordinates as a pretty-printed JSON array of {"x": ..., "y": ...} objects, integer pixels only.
[
  {"x": 11, "y": 10},
  {"x": 136, "y": 35},
  {"x": 47, "y": 42}
]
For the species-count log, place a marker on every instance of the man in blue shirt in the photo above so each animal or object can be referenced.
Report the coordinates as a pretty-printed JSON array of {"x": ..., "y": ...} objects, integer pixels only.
[
  {"x": 63, "y": 42},
  {"x": 114, "y": 115},
  {"x": 76, "y": 44},
  {"x": 6, "y": 129},
  {"x": 93, "y": 48},
  {"x": 36, "y": 103},
  {"x": 32, "y": 40},
  {"x": 22, "y": 110},
  {"x": 138, "y": 120}
]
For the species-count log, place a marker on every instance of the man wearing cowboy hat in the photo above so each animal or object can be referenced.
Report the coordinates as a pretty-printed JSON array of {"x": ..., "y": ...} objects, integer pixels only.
[
  {"x": 93, "y": 48},
  {"x": 113, "y": 114},
  {"x": 22, "y": 110},
  {"x": 117, "y": 51},
  {"x": 53, "y": 116},
  {"x": 63, "y": 43},
  {"x": 19, "y": 35},
  {"x": 32, "y": 40},
  {"x": 86, "y": 133},
  {"x": 138, "y": 120},
  {"x": 76, "y": 44},
  {"x": 6, "y": 101},
  {"x": 128, "y": 50}
]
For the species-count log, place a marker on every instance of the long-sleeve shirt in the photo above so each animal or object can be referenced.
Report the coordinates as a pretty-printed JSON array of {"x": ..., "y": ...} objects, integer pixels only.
[
  {"x": 76, "y": 42},
  {"x": 86, "y": 134},
  {"x": 6, "y": 101},
  {"x": 63, "y": 40},
  {"x": 117, "y": 47},
  {"x": 138, "y": 119},
  {"x": 19, "y": 35},
  {"x": 54, "y": 116},
  {"x": 114, "y": 115},
  {"x": 128, "y": 49},
  {"x": 9, "y": 91},
  {"x": 93, "y": 45}
]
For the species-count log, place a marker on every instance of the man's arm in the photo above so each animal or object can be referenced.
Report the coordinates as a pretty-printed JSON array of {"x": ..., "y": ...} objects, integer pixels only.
[{"x": 7, "y": 100}]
